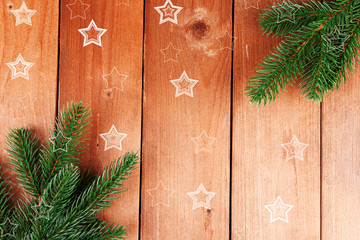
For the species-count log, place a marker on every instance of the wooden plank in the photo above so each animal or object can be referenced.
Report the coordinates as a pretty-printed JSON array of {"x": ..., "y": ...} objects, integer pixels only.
[
  {"x": 108, "y": 78},
  {"x": 341, "y": 167},
  {"x": 28, "y": 99},
  {"x": 173, "y": 166},
  {"x": 260, "y": 171}
]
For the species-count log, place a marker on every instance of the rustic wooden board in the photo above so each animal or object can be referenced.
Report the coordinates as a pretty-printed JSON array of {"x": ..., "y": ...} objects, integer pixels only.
[
  {"x": 341, "y": 165},
  {"x": 171, "y": 167},
  {"x": 83, "y": 73},
  {"x": 260, "y": 171},
  {"x": 28, "y": 102}
]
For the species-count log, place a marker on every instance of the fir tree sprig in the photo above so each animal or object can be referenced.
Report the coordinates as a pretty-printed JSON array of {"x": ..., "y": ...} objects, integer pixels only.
[
  {"x": 320, "y": 46},
  {"x": 5, "y": 197},
  {"x": 67, "y": 140},
  {"x": 23, "y": 154},
  {"x": 61, "y": 201}
]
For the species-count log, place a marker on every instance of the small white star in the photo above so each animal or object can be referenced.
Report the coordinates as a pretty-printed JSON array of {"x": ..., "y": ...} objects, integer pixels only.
[
  {"x": 294, "y": 149},
  {"x": 13, "y": 226},
  {"x": 92, "y": 34},
  {"x": 246, "y": 233},
  {"x": 113, "y": 139},
  {"x": 203, "y": 202},
  {"x": 20, "y": 68},
  {"x": 160, "y": 195},
  {"x": 226, "y": 41},
  {"x": 61, "y": 140},
  {"x": 203, "y": 142},
  {"x": 184, "y": 85},
  {"x": 278, "y": 210},
  {"x": 170, "y": 11},
  {"x": 42, "y": 210},
  {"x": 23, "y": 15},
  {"x": 27, "y": 101},
  {"x": 170, "y": 53},
  {"x": 114, "y": 80},
  {"x": 78, "y": 9},
  {"x": 285, "y": 15},
  {"x": 122, "y": 2},
  {"x": 336, "y": 40},
  {"x": 251, "y": 4}
]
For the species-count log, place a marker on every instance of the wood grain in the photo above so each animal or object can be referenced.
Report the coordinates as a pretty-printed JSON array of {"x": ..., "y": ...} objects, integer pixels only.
[
  {"x": 81, "y": 71},
  {"x": 341, "y": 165},
  {"x": 171, "y": 122},
  {"x": 260, "y": 171},
  {"x": 37, "y": 44}
]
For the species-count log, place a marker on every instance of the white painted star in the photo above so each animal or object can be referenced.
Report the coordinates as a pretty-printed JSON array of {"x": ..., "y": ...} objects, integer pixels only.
[
  {"x": 122, "y": 2},
  {"x": 226, "y": 41},
  {"x": 251, "y": 4},
  {"x": 20, "y": 68},
  {"x": 336, "y": 40},
  {"x": 200, "y": 203},
  {"x": 27, "y": 101},
  {"x": 170, "y": 53},
  {"x": 60, "y": 142},
  {"x": 42, "y": 210},
  {"x": 78, "y": 9},
  {"x": 114, "y": 80},
  {"x": 113, "y": 139},
  {"x": 203, "y": 142},
  {"x": 168, "y": 12},
  {"x": 246, "y": 233},
  {"x": 285, "y": 15},
  {"x": 23, "y": 15},
  {"x": 3, "y": 232},
  {"x": 160, "y": 195},
  {"x": 92, "y": 34},
  {"x": 278, "y": 210},
  {"x": 184, "y": 85},
  {"x": 294, "y": 149}
]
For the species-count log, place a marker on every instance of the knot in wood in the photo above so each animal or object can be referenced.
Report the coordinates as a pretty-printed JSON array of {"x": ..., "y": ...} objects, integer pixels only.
[{"x": 199, "y": 29}]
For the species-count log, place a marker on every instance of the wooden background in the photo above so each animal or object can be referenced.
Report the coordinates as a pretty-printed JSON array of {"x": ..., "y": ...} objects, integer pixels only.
[{"x": 247, "y": 166}]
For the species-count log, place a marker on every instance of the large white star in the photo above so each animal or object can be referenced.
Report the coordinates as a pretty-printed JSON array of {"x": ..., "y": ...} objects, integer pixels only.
[
  {"x": 278, "y": 210},
  {"x": 184, "y": 85},
  {"x": 20, "y": 68},
  {"x": 160, "y": 195},
  {"x": 92, "y": 34},
  {"x": 168, "y": 12},
  {"x": 196, "y": 202},
  {"x": 203, "y": 142},
  {"x": 78, "y": 9},
  {"x": 113, "y": 139},
  {"x": 294, "y": 149},
  {"x": 23, "y": 15}
]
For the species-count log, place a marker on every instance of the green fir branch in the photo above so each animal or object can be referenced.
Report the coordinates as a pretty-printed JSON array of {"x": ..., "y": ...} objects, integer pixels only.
[
  {"x": 23, "y": 154},
  {"x": 5, "y": 197},
  {"x": 310, "y": 51},
  {"x": 67, "y": 140}
]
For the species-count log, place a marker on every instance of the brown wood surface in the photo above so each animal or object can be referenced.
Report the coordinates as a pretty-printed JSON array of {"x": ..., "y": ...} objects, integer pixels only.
[
  {"x": 260, "y": 171},
  {"x": 81, "y": 71},
  {"x": 171, "y": 122},
  {"x": 28, "y": 102},
  {"x": 242, "y": 165},
  {"x": 341, "y": 165}
]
